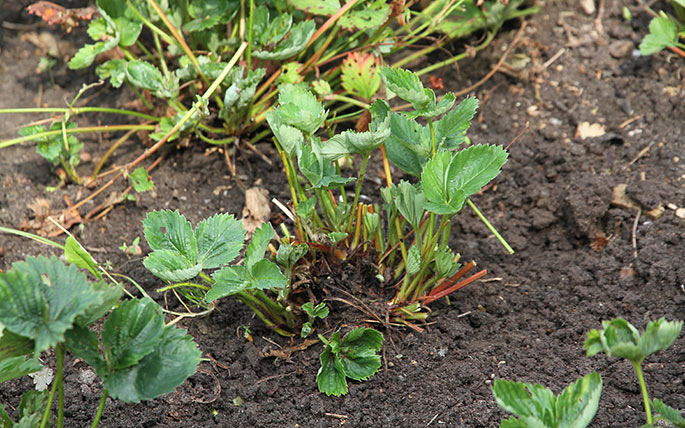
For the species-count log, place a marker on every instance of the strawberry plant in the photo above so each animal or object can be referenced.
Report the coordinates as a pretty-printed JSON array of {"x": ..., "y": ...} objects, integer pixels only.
[
  {"x": 619, "y": 338},
  {"x": 427, "y": 269},
  {"x": 45, "y": 304},
  {"x": 666, "y": 31},
  {"x": 354, "y": 356},
  {"x": 537, "y": 406}
]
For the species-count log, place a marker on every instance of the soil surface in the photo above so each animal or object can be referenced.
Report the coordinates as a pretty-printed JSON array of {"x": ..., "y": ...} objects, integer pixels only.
[{"x": 579, "y": 259}]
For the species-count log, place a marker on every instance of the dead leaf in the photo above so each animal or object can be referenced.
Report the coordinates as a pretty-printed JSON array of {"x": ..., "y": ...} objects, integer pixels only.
[
  {"x": 599, "y": 241},
  {"x": 621, "y": 200},
  {"x": 436, "y": 83},
  {"x": 257, "y": 209},
  {"x": 363, "y": 122},
  {"x": 287, "y": 351},
  {"x": 40, "y": 224},
  {"x": 55, "y": 14},
  {"x": 586, "y": 130}
]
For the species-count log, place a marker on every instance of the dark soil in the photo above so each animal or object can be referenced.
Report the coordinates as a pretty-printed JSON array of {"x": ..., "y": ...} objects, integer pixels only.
[{"x": 575, "y": 263}]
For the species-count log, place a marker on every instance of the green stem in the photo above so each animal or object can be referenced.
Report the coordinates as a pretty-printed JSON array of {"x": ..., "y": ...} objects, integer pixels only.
[
  {"x": 491, "y": 227},
  {"x": 432, "y": 131},
  {"x": 79, "y": 110},
  {"x": 59, "y": 352},
  {"x": 345, "y": 99},
  {"x": 248, "y": 52},
  {"x": 353, "y": 209},
  {"x": 643, "y": 387},
  {"x": 183, "y": 284},
  {"x": 86, "y": 129},
  {"x": 38, "y": 238},
  {"x": 101, "y": 408}
]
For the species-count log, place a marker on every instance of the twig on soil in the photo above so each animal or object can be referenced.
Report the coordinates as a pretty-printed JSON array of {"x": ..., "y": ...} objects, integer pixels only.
[
  {"x": 494, "y": 70},
  {"x": 598, "y": 19},
  {"x": 275, "y": 377},
  {"x": 629, "y": 121},
  {"x": 433, "y": 418},
  {"x": 639, "y": 155},
  {"x": 635, "y": 223},
  {"x": 551, "y": 61},
  {"x": 335, "y": 415}
]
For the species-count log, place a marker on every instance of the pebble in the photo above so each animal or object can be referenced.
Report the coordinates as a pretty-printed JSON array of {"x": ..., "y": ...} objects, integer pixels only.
[
  {"x": 680, "y": 213},
  {"x": 588, "y": 6},
  {"x": 621, "y": 48}
]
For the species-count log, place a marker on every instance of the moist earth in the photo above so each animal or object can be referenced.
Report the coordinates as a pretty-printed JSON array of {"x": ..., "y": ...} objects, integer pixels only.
[{"x": 579, "y": 258}]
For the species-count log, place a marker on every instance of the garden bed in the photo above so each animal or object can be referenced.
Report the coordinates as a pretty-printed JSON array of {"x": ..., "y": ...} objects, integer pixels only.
[{"x": 579, "y": 259}]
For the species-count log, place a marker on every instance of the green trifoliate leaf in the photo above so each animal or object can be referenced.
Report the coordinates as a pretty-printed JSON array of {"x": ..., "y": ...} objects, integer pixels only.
[
  {"x": 316, "y": 7},
  {"x": 114, "y": 70},
  {"x": 319, "y": 171},
  {"x": 359, "y": 349},
  {"x": 97, "y": 28},
  {"x": 449, "y": 178},
  {"x": 410, "y": 203},
  {"x": 331, "y": 375},
  {"x": 668, "y": 413},
  {"x": 169, "y": 230},
  {"x": 140, "y": 180},
  {"x": 621, "y": 339},
  {"x": 40, "y": 299},
  {"x": 408, "y": 146},
  {"x": 536, "y": 406},
  {"x": 300, "y": 35},
  {"x": 663, "y": 33},
  {"x": 413, "y": 260},
  {"x": 16, "y": 367},
  {"x": 318, "y": 311},
  {"x": 433, "y": 108},
  {"x": 407, "y": 86},
  {"x": 299, "y": 108},
  {"x": 132, "y": 331},
  {"x": 255, "y": 250},
  {"x": 173, "y": 360},
  {"x": 240, "y": 92},
  {"x": 219, "y": 240},
  {"x": 450, "y": 130},
  {"x": 270, "y": 32}
]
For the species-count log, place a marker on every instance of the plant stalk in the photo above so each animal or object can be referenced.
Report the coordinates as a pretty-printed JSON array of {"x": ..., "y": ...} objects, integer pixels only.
[
  {"x": 643, "y": 388},
  {"x": 101, "y": 408}
]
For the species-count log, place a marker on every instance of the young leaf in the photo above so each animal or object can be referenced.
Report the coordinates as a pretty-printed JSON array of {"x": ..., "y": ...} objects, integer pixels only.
[
  {"x": 300, "y": 108},
  {"x": 140, "y": 180},
  {"x": 289, "y": 137},
  {"x": 408, "y": 146},
  {"x": 84, "y": 344},
  {"x": 207, "y": 14},
  {"x": 131, "y": 332},
  {"x": 413, "y": 260},
  {"x": 228, "y": 281},
  {"x": 362, "y": 143},
  {"x": 288, "y": 254},
  {"x": 146, "y": 76},
  {"x": 331, "y": 375},
  {"x": 450, "y": 130},
  {"x": 318, "y": 311},
  {"x": 318, "y": 170},
  {"x": 536, "y": 406},
  {"x": 76, "y": 255},
  {"x": 663, "y": 32},
  {"x": 85, "y": 56},
  {"x": 41, "y": 297},
  {"x": 300, "y": 35},
  {"x": 266, "y": 275},
  {"x": 359, "y": 349},
  {"x": 448, "y": 179},
  {"x": 171, "y": 266},
  {"x": 257, "y": 247},
  {"x": 410, "y": 203},
  {"x": 407, "y": 86},
  {"x": 16, "y": 367},
  {"x": 668, "y": 413},
  {"x": 169, "y": 230}
]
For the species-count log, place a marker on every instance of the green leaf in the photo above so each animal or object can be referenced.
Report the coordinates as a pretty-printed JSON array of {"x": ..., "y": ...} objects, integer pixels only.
[
  {"x": 31, "y": 408},
  {"x": 41, "y": 297},
  {"x": 318, "y": 311},
  {"x": 449, "y": 178},
  {"x": 144, "y": 75},
  {"x": 288, "y": 254},
  {"x": 413, "y": 260},
  {"x": 300, "y": 35},
  {"x": 169, "y": 230},
  {"x": 169, "y": 265},
  {"x": 110, "y": 294},
  {"x": 362, "y": 143},
  {"x": 219, "y": 240},
  {"x": 433, "y": 109},
  {"x": 300, "y": 108},
  {"x": 5, "y": 420},
  {"x": 450, "y": 130},
  {"x": 577, "y": 404},
  {"x": 173, "y": 360},
  {"x": 86, "y": 55},
  {"x": 266, "y": 275},
  {"x": 444, "y": 263},
  {"x": 408, "y": 146},
  {"x": 126, "y": 25},
  {"x": 255, "y": 250},
  {"x": 207, "y": 13},
  {"x": 83, "y": 343},
  {"x": 75, "y": 254},
  {"x": 359, "y": 76},
  {"x": 663, "y": 32},
  {"x": 410, "y": 202},
  {"x": 140, "y": 180},
  {"x": 15, "y": 367},
  {"x": 668, "y": 413},
  {"x": 370, "y": 16},
  {"x": 331, "y": 375},
  {"x": 659, "y": 335},
  {"x": 14, "y": 345},
  {"x": 97, "y": 28},
  {"x": 407, "y": 86},
  {"x": 239, "y": 94},
  {"x": 316, "y": 7},
  {"x": 228, "y": 281},
  {"x": 289, "y": 137},
  {"x": 319, "y": 171},
  {"x": 132, "y": 331},
  {"x": 359, "y": 348},
  {"x": 49, "y": 148}
]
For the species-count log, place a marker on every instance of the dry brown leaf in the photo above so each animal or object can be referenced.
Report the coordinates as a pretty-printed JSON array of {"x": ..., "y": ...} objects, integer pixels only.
[
  {"x": 621, "y": 200},
  {"x": 257, "y": 209},
  {"x": 287, "y": 351}
]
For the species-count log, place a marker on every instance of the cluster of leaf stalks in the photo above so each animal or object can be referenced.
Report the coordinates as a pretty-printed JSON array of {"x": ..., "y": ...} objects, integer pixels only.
[
  {"x": 48, "y": 305},
  {"x": 576, "y": 406},
  {"x": 172, "y": 52}
]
